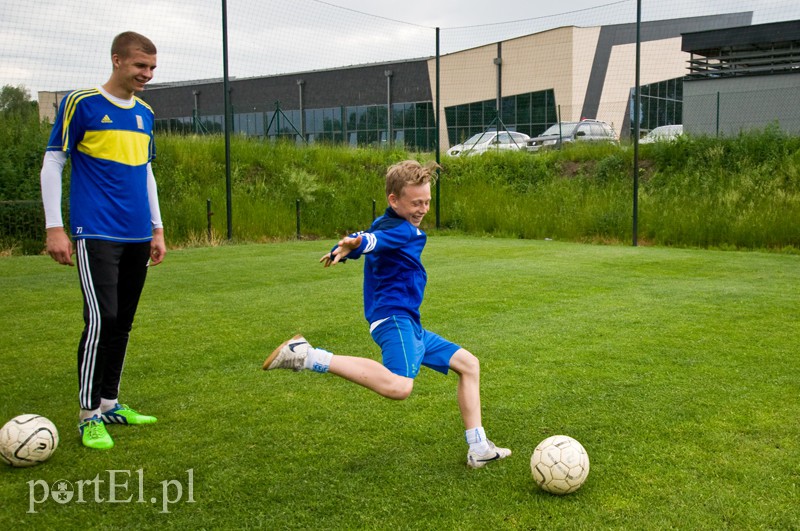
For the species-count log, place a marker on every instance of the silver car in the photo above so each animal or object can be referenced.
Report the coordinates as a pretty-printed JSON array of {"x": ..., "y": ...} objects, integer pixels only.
[
  {"x": 490, "y": 141},
  {"x": 565, "y": 132},
  {"x": 664, "y": 133}
]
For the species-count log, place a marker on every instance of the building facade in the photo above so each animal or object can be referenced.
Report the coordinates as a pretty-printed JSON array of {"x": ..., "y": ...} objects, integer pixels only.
[
  {"x": 523, "y": 84},
  {"x": 743, "y": 78}
]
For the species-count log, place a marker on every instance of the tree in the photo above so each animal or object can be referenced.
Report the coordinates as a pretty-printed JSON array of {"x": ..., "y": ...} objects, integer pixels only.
[
  {"x": 16, "y": 101},
  {"x": 23, "y": 139}
]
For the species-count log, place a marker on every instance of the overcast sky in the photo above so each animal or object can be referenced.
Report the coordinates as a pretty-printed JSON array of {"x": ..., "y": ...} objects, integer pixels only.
[
  {"x": 459, "y": 13},
  {"x": 64, "y": 44}
]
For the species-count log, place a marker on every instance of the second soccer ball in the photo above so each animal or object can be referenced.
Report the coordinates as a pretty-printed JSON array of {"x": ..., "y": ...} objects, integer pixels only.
[
  {"x": 560, "y": 464},
  {"x": 27, "y": 440}
]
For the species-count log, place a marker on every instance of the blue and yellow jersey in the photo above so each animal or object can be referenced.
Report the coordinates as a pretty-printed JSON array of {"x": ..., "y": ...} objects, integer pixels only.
[
  {"x": 110, "y": 146},
  {"x": 394, "y": 277}
]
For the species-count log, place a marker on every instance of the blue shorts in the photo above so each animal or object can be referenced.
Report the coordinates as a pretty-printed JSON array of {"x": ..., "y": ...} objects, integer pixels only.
[{"x": 406, "y": 346}]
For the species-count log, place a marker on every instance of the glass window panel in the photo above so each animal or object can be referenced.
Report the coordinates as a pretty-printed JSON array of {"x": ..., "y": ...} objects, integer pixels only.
[
  {"x": 539, "y": 108},
  {"x": 248, "y": 123},
  {"x": 361, "y": 117},
  {"x": 509, "y": 110},
  {"x": 475, "y": 115},
  {"x": 377, "y": 118},
  {"x": 295, "y": 120},
  {"x": 309, "y": 117},
  {"x": 259, "y": 130},
  {"x": 381, "y": 114},
  {"x": 652, "y": 113},
  {"x": 552, "y": 113},
  {"x": 327, "y": 121},
  {"x": 398, "y": 115},
  {"x": 524, "y": 108},
  {"x": 489, "y": 112},
  {"x": 319, "y": 120},
  {"x": 670, "y": 118},
  {"x": 421, "y": 111},
  {"x": 408, "y": 137},
  {"x": 462, "y": 116},
  {"x": 409, "y": 112},
  {"x": 451, "y": 116},
  {"x": 460, "y": 134}
]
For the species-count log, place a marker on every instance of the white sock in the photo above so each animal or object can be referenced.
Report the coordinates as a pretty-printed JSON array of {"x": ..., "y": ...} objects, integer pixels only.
[
  {"x": 106, "y": 404},
  {"x": 88, "y": 413},
  {"x": 476, "y": 438},
  {"x": 318, "y": 360}
]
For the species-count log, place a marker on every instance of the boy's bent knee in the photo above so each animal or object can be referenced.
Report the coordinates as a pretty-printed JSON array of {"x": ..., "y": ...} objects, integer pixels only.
[
  {"x": 400, "y": 388},
  {"x": 464, "y": 362}
]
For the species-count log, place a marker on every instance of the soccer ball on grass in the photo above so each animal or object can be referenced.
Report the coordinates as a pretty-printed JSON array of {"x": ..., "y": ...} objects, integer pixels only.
[
  {"x": 27, "y": 440},
  {"x": 560, "y": 464}
]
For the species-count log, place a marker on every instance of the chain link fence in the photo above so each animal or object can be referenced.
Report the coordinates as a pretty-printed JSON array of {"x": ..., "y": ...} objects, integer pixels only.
[
  {"x": 22, "y": 226},
  {"x": 312, "y": 72}
]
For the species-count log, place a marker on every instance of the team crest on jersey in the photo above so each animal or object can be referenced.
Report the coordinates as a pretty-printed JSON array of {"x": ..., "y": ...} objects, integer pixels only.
[
  {"x": 139, "y": 121},
  {"x": 106, "y": 120}
]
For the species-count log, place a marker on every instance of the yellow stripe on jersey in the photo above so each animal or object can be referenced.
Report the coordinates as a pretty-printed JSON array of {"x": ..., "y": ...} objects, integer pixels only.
[
  {"x": 142, "y": 102},
  {"x": 126, "y": 147},
  {"x": 69, "y": 110}
]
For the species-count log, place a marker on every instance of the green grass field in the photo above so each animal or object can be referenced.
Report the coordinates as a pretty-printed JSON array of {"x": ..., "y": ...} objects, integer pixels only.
[{"x": 676, "y": 369}]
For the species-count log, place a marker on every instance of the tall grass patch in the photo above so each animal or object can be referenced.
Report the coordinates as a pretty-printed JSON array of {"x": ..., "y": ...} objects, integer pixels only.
[
  {"x": 565, "y": 195},
  {"x": 334, "y": 188},
  {"x": 741, "y": 192}
]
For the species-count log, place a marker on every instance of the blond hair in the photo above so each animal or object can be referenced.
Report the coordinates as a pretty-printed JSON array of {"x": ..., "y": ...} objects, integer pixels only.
[
  {"x": 124, "y": 43},
  {"x": 409, "y": 173}
]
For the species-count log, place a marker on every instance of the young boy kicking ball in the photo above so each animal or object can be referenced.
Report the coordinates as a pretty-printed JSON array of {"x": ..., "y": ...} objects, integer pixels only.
[{"x": 394, "y": 284}]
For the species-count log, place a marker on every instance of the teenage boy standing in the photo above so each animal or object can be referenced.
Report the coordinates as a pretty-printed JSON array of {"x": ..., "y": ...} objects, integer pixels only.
[{"x": 115, "y": 221}]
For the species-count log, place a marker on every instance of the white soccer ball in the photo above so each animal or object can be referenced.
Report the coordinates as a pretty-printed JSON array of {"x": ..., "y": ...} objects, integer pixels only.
[
  {"x": 560, "y": 464},
  {"x": 27, "y": 440}
]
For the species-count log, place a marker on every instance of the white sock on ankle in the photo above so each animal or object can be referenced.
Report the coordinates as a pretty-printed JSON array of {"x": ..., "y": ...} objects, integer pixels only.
[
  {"x": 318, "y": 360},
  {"x": 88, "y": 413},
  {"x": 476, "y": 438}
]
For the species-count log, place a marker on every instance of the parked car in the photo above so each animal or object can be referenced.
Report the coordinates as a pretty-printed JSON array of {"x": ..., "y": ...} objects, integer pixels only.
[
  {"x": 665, "y": 133},
  {"x": 490, "y": 141},
  {"x": 565, "y": 132}
]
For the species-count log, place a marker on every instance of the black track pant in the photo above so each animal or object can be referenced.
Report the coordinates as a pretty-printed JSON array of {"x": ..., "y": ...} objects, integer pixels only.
[{"x": 112, "y": 276}]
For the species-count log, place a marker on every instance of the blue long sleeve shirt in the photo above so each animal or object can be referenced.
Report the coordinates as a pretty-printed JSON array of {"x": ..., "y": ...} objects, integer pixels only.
[{"x": 394, "y": 278}]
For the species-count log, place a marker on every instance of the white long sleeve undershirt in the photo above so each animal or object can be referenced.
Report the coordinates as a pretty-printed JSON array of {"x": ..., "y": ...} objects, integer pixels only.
[{"x": 50, "y": 179}]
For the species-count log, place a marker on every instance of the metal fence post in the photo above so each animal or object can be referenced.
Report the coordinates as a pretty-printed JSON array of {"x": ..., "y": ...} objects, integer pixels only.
[
  {"x": 209, "y": 213},
  {"x": 297, "y": 215}
]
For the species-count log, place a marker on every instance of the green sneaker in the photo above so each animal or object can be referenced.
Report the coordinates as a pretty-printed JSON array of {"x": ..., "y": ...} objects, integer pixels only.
[
  {"x": 122, "y": 414},
  {"x": 94, "y": 434}
]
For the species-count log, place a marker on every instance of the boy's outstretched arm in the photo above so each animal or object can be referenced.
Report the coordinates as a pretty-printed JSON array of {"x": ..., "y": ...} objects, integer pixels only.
[{"x": 343, "y": 248}]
